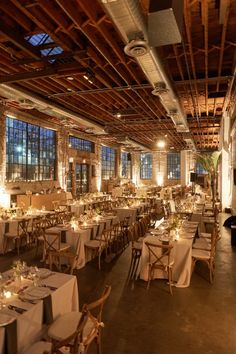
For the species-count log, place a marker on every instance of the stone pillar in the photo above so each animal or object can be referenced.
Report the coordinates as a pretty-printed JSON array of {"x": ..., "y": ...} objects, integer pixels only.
[
  {"x": 226, "y": 187},
  {"x": 2, "y": 145},
  {"x": 118, "y": 163},
  {"x": 136, "y": 168},
  {"x": 184, "y": 170},
  {"x": 73, "y": 178},
  {"x": 98, "y": 168},
  {"x": 155, "y": 167},
  {"x": 62, "y": 156}
]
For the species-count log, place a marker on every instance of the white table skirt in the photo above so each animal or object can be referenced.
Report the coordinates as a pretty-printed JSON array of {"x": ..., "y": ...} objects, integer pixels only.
[
  {"x": 182, "y": 256},
  {"x": 30, "y": 325}
]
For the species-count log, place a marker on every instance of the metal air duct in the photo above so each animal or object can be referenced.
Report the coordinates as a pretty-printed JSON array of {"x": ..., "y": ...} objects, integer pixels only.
[
  {"x": 129, "y": 20},
  {"x": 28, "y": 100}
]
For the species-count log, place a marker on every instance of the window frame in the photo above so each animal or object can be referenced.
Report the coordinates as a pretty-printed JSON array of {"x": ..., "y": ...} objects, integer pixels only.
[
  {"x": 81, "y": 144},
  {"x": 146, "y": 167},
  {"x": 171, "y": 165},
  {"x": 31, "y": 162},
  {"x": 108, "y": 162}
]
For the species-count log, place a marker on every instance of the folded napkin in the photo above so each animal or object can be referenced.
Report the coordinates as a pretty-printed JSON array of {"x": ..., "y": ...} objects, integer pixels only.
[
  {"x": 10, "y": 342},
  {"x": 47, "y": 310},
  {"x": 34, "y": 293}
]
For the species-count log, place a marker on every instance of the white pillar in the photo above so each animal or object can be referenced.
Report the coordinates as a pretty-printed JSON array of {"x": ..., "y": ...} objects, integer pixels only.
[{"x": 225, "y": 169}]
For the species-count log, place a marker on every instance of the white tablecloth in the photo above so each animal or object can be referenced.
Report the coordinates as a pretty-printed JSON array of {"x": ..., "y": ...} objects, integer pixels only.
[
  {"x": 30, "y": 325},
  {"x": 123, "y": 212}
]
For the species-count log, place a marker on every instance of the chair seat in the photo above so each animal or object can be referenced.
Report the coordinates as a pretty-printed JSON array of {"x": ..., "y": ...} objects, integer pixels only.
[
  {"x": 137, "y": 245},
  {"x": 92, "y": 244},
  {"x": 11, "y": 235},
  {"x": 201, "y": 254},
  {"x": 66, "y": 324},
  {"x": 205, "y": 235},
  {"x": 40, "y": 239},
  {"x": 39, "y": 348},
  {"x": 64, "y": 246},
  {"x": 203, "y": 244}
]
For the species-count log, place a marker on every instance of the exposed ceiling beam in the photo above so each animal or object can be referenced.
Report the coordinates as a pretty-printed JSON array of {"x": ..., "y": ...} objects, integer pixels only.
[
  {"x": 13, "y": 37},
  {"x": 203, "y": 80},
  {"x": 28, "y": 75}
]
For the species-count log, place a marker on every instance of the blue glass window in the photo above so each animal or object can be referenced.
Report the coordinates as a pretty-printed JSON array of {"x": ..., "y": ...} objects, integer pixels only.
[
  {"x": 81, "y": 144},
  {"x": 108, "y": 162},
  {"x": 173, "y": 165},
  {"x": 146, "y": 166},
  {"x": 30, "y": 151}
]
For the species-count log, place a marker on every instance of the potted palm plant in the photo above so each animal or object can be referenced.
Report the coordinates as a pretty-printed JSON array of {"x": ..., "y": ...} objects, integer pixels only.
[{"x": 210, "y": 164}]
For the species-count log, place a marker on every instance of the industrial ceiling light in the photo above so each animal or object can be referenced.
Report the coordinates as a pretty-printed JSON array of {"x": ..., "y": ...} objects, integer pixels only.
[
  {"x": 161, "y": 144},
  {"x": 160, "y": 89}
]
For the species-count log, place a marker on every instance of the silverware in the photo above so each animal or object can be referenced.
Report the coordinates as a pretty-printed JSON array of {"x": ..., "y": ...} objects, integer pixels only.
[
  {"x": 28, "y": 300},
  {"x": 16, "y": 309}
]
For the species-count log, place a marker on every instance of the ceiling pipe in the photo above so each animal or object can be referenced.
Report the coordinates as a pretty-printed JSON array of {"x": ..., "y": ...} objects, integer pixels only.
[
  {"x": 129, "y": 20},
  {"x": 45, "y": 106}
]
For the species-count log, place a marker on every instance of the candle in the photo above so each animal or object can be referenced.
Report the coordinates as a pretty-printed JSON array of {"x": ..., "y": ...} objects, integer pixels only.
[{"x": 7, "y": 294}]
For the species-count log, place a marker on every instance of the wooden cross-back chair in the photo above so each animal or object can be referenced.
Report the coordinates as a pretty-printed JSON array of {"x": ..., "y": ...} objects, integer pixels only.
[
  {"x": 53, "y": 248},
  {"x": 207, "y": 256},
  {"x": 136, "y": 250},
  {"x": 159, "y": 258},
  {"x": 71, "y": 340},
  {"x": 18, "y": 236},
  {"x": 92, "y": 328}
]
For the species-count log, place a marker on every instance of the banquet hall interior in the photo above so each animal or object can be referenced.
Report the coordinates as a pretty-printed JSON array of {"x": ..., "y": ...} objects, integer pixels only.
[{"x": 117, "y": 176}]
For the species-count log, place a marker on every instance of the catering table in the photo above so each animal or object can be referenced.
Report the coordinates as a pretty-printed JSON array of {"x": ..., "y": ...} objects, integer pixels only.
[
  {"x": 181, "y": 255},
  {"x": 126, "y": 212},
  {"x": 31, "y": 323},
  {"x": 78, "y": 237}
]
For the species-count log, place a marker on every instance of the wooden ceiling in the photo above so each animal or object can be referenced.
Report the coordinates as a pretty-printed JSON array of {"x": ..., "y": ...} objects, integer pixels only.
[{"x": 82, "y": 67}]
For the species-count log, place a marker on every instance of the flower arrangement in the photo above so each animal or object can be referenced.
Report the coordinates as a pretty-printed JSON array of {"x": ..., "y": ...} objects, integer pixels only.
[
  {"x": 18, "y": 268},
  {"x": 175, "y": 223}
]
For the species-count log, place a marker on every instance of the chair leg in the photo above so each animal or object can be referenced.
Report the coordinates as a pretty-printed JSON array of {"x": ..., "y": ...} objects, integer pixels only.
[
  {"x": 99, "y": 260},
  {"x": 98, "y": 341},
  {"x": 18, "y": 246},
  {"x": 170, "y": 279}
]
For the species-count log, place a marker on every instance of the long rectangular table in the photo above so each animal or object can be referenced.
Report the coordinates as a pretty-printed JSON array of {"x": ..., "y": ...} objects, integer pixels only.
[
  {"x": 182, "y": 256},
  {"x": 31, "y": 324}
]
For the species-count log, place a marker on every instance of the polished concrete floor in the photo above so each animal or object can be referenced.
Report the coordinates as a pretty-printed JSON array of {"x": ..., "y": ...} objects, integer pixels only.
[{"x": 200, "y": 319}]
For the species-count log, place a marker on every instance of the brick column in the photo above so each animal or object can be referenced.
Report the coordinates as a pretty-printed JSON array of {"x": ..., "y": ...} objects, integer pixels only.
[
  {"x": 2, "y": 144},
  {"x": 62, "y": 156}
]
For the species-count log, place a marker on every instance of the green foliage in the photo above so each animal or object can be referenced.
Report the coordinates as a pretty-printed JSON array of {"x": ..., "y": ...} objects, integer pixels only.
[{"x": 209, "y": 161}]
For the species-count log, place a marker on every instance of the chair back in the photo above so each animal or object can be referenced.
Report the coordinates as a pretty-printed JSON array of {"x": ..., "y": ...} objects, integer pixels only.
[
  {"x": 159, "y": 254},
  {"x": 74, "y": 339},
  {"x": 22, "y": 228},
  {"x": 95, "y": 308},
  {"x": 52, "y": 241}
]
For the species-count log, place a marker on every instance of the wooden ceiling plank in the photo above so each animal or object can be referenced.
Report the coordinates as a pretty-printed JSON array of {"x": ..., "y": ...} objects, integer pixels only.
[
  {"x": 26, "y": 75},
  {"x": 17, "y": 39},
  {"x": 222, "y": 44},
  {"x": 16, "y": 15},
  {"x": 49, "y": 28},
  {"x": 187, "y": 20}
]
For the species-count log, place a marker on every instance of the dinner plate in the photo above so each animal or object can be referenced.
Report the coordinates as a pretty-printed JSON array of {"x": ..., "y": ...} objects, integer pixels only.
[
  {"x": 5, "y": 319},
  {"x": 157, "y": 232},
  {"x": 163, "y": 238},
  {"x": 35, "y": 293},
  {"x": 44, "y": 273}
]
